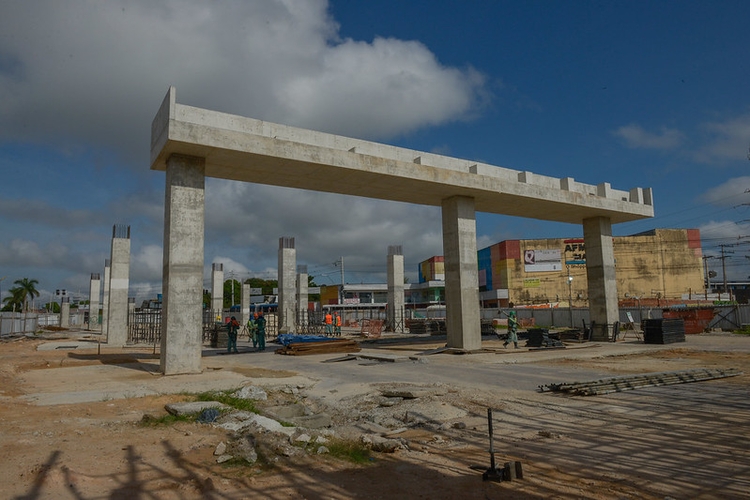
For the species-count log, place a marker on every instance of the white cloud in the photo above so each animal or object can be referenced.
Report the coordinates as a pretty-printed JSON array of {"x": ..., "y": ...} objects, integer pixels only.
[
  {"x": 87, "y": 78},
  {"x": 637, "y": 137},
  {"x": 146, "y": 263},
  {"x": 734, "y": 192},
  {"x": 725, "y": 140},
  {"x": 397, "y": 85},
  {"x": 325, "y": 227},
  {"x": 275, "y": 60}
]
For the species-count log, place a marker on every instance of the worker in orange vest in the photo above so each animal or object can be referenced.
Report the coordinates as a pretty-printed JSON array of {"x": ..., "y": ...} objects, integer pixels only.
[
  {"x": 329, "y": 324},
  {"x": 338, "y": 324}
]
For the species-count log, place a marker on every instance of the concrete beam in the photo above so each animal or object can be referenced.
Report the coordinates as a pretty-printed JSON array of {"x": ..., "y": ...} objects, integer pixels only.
[
  {"x": 105, "y": 299},
  {"x": 182, "y": 307},
  {"x": 600, "y": 270},
  {"x": 395, "y": 266},
  {"x": 245, "y": 149},
  {"x": 463, "y": 323},
  {"x": 287, "y": 278},
  {"x": 119, "y": 282},
  {"x": 95, "y": 290},
  {"x": 217, "y": 289}
]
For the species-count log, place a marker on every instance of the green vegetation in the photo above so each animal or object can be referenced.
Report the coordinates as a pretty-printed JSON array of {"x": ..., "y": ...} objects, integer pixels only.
[
  {"x": 168, "y": 419},
  {"x": 745, "y": 330},
  {"x": 349, "y": 450},
  {"x": 20, "y": 295},
  {"x": 228, "y": 399}
]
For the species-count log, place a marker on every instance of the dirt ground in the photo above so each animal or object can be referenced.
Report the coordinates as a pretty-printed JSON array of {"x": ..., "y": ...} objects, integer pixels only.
[{"x": 686, "y": 441}]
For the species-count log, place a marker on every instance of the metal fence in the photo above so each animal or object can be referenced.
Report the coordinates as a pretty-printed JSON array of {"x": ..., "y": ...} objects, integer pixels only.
[
  {"x": 728, "y": 318},
  {"x": 16, "y": 323}
]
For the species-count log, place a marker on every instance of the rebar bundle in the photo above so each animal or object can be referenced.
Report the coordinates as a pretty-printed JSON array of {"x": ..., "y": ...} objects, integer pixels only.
[{"x": 630, "y": 382}]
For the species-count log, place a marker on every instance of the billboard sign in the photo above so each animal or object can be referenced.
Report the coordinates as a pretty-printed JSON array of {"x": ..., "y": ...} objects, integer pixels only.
[{"x": 542, "y": 261}]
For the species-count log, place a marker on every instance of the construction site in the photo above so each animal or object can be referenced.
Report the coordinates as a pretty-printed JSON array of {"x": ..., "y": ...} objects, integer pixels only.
[
  {"x": 591, "y": 420},
  {"x": 587, "y": 398}
]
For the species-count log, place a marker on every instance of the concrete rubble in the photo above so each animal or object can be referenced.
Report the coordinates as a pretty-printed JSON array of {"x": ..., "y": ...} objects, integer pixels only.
[{"x": 378, "y": 420}]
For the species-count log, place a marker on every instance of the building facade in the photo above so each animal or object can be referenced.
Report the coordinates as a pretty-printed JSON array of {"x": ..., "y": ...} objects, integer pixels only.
[{"x": 661, "y": 263}]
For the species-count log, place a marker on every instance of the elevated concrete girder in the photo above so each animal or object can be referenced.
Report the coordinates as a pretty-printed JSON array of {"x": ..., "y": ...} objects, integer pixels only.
[
  {"x": 244, "y": 149},
  {"x": 249, "y": 150}
]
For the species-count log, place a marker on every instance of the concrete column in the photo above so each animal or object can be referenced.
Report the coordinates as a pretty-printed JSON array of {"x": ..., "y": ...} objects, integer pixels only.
[
  {"x": 461, "y": 274},
  {"x": 95, "y": 289},
  {"x": 105, "y": 298},
  {"x": 131, "y": 306},
  {"x": 600, "y": 268},
  {"x": 119, "y": 281},
  {"x": 287, "y": 285},
  {"x": 396, "y": 288},
  {"x": 302, "y": 294},
  {"x": 217, "y": 289},
  {"x": 245, "y": 303},
  {"x": 65, "y": 312},
  {"x": 182, "y": 281}
]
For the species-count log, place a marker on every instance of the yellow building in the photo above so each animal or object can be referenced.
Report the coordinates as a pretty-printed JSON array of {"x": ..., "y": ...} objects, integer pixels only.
[{"x": 661, "y": 264}]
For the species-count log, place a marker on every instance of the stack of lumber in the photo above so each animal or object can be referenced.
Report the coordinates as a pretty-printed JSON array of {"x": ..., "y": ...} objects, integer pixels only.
[
  {"x": 630, "y": 382},
  {"x": 323, "y": 347},
  {"x": 426, "y": 326},
  {"x": 572, "y": 335},
  {"x": 663, "y": 331}
]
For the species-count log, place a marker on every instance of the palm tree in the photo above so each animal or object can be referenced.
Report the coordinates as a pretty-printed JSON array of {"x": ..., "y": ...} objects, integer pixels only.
[
  {"x": 27, "y": 290},
  {"x": 14, "y": 301}
]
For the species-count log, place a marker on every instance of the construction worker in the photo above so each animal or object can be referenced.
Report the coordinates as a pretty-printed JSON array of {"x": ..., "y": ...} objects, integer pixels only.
[
  {"x": 252, "y": 329},
  {"x": 261, "y": 329},
  {"x": 338, "y": 324},
  {"x": 512, "y": 330},
  {"x": 233, "y": 327},
  {"x": 329, "y": 323}
]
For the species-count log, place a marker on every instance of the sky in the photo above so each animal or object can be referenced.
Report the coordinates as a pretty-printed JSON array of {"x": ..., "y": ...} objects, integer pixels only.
[{"x": 634, "y": 93}]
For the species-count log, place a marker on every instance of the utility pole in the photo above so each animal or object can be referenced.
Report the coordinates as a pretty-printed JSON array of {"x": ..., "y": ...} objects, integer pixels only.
[
  {"x": 340, "y": 262},
  {"x": 706, "y": 274},
  {"x": 724, "y": 267},
  {"x": 570, "y": 296}
]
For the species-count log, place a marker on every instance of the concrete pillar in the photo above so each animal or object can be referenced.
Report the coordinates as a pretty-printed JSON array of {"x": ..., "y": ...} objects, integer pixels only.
[
  {"x": 217, "y": 290},
  {"x": 65, "y": 312},
  {"x": 287, "y": 285},
  {"x": 396, "y": 288},
  {"x": 461, "y": 274},
  {"x": 245, "y": 303},
  {"x": 131, "y": 306},
  {"x": 600, "y": 268},
  {"x": 119, "y": 281},
  {"x": 182, "y": 280},
  {"x": 105, "y": 298},
  {"x": 95, "y": 289},
  {"x": 302, "y": 294}
]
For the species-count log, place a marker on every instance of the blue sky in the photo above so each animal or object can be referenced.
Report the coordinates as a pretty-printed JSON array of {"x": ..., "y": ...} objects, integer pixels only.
[{"x": 634, "y": 93}]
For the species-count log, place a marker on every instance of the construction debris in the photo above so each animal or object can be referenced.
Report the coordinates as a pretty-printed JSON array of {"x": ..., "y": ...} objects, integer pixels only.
[
  {"x": 629, "y": 382},
  {"x": 540, "y": 337},
  {"x": 389, "y": 358},
  {"x": 322, "y": 347}
]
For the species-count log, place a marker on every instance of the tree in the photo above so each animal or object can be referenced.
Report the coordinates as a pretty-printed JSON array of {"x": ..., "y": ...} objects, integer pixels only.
[
  {"x": 13, "y": 302},
  {"x": 27, "y": 290}
]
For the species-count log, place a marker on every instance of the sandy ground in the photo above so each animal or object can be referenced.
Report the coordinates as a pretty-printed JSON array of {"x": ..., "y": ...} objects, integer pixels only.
[{"x": 70, "y": 425}]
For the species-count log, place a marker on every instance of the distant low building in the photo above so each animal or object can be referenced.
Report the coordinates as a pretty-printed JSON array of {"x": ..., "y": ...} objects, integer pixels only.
[{"x": 658, "y": 264}]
